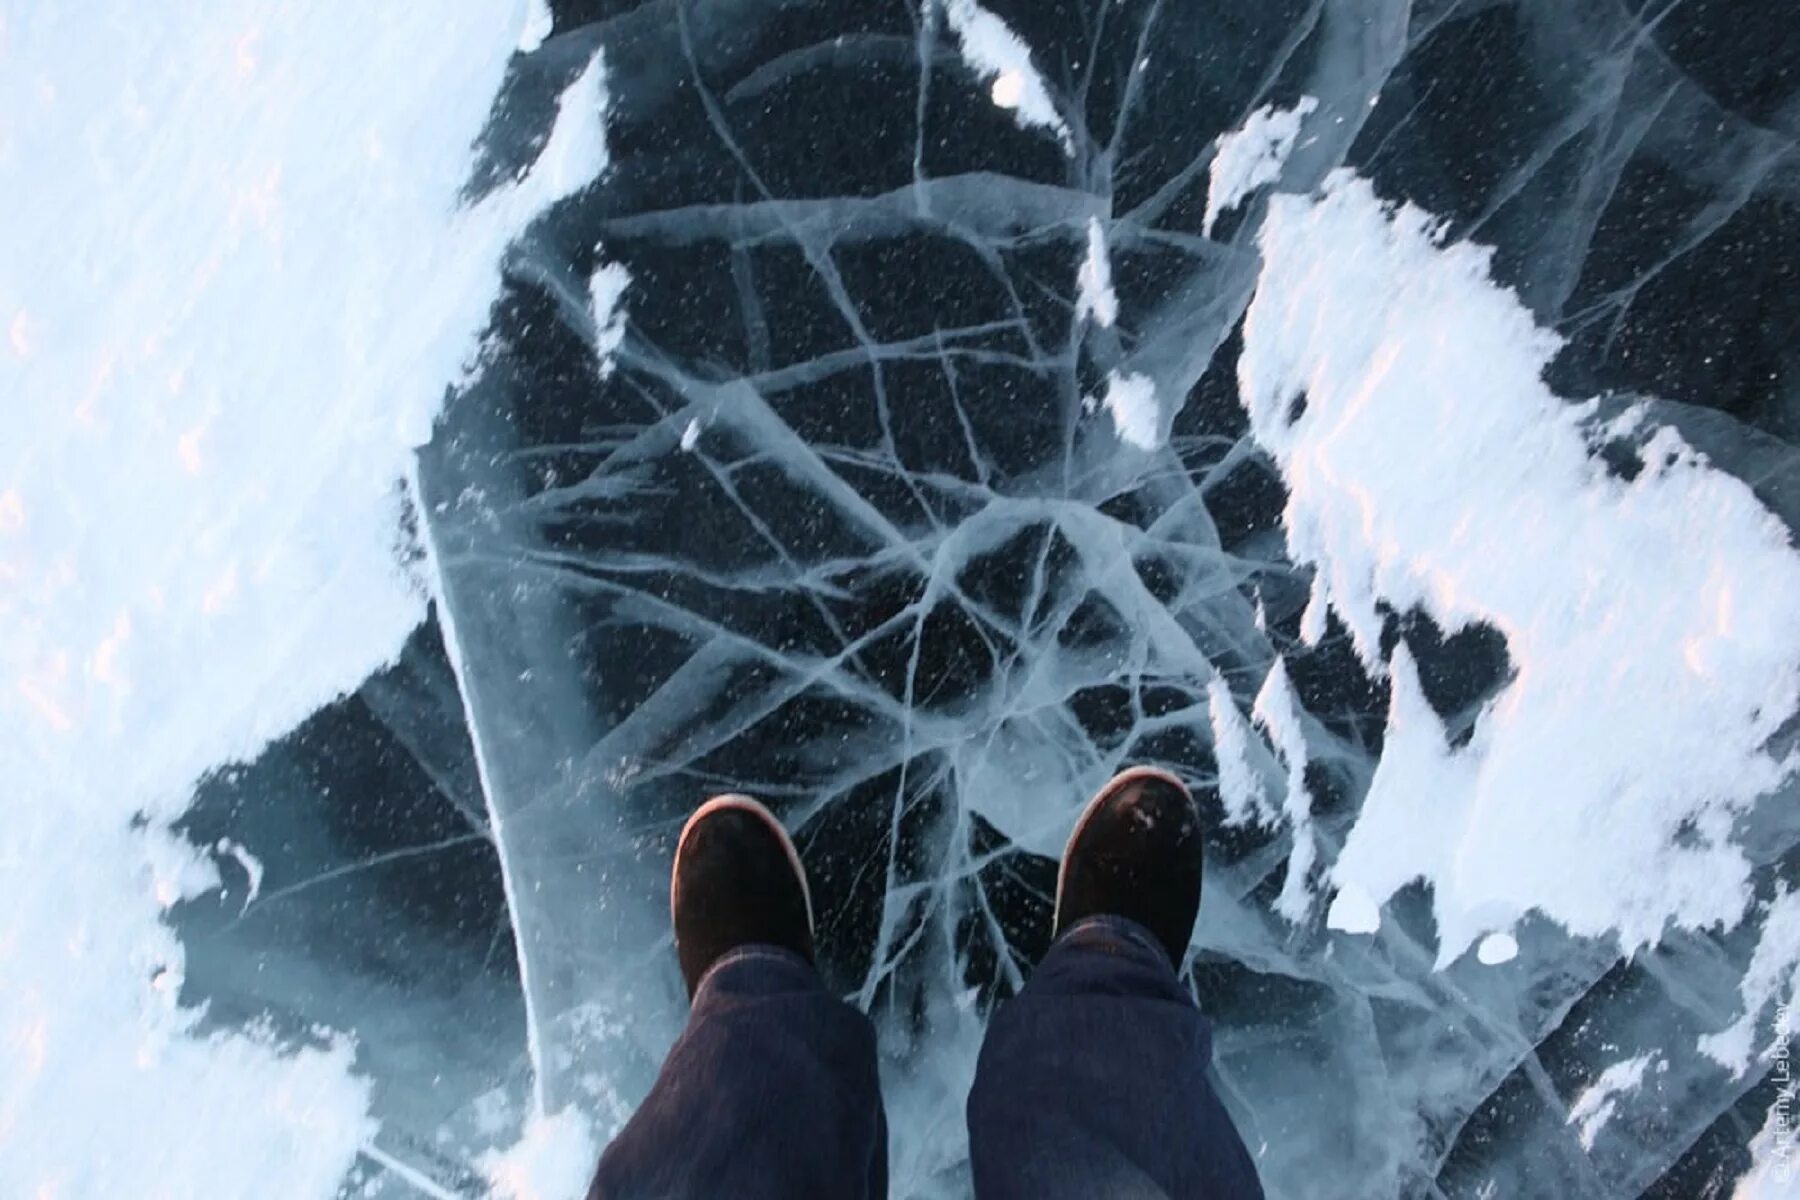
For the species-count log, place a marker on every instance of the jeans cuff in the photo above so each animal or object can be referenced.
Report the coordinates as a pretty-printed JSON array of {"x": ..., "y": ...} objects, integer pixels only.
[
  {"x": 1111, "y": 931},
  {"x": 778, "y": 957}
]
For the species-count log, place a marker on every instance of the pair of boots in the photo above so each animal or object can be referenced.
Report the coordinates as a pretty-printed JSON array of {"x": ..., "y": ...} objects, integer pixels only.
[
  {"x": 1135, "y": 853},
  {"x": 1093, "y": 1082}
]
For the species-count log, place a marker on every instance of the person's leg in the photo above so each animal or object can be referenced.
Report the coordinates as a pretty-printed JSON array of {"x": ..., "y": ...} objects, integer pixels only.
[
  {"x": 771, "y": 1091},
  {"x": 1093, "y": 1080}
]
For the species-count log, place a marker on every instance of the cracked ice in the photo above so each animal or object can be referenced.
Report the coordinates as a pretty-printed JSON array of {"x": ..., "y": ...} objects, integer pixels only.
[{"x": 875, "y": 411}]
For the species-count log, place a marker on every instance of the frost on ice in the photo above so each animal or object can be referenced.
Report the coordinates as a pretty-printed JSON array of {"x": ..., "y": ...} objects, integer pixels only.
[{"x": 1650, "y": 622}]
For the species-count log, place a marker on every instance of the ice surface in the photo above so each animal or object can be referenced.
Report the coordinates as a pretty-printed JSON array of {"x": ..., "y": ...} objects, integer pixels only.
[{"x": 792, "y": 458}]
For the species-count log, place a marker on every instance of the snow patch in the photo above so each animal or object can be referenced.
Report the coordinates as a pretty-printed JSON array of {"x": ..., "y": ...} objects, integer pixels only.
[
  {"x": 252, "y": 865},
  {"x": 1318, "y": 610},
  {"x": 690, "y": 437},
  {"x": 538, "y": 22},
  {"x": 606, "y": 295},
  {"x": 1001, "y": 59},
  {"x": 234, "y": 312},
  {"x": 1278, "y": 712},
  {"x": 1772, "y": 1174},
  {"x": 1497, "y": 948},
  {"x": 1651, "y": 622},
  {"x": 1597, "y": 1104},
  {"x": 1094, "y": 296},
  {"x": 553, "y": 1160},
  {"x": 178, "y": 869},
  {"x": 1240, "y": 788},
  {"x": 1415, "y": 759},
  {"x": 1771, "y": 979},
  {"x": 1138, "y": 418},
  {"x": 1251, "y": 157},
  {"x": 1353, "y": 911}
]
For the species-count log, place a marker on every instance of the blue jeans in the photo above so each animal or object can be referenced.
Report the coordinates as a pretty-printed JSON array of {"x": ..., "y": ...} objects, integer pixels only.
[{"x": 1092, "y": 1083}]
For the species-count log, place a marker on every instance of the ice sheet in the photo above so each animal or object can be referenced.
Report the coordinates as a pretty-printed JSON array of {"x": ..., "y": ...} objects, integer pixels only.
[{"x": 793, "y": 458}]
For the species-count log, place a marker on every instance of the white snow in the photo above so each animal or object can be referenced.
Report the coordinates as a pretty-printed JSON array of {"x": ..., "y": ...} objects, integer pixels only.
[
  {"x": 1497, "y": 948},
  {"x": 690, "y": 436},
  {"x": 606, "y": 297},
  {"x": 1136, "y": 414},
  {"x": 1353, "y": 911},
  {"x": 1597, "y": 1104},
  {"x": 1252, "y": 157},
  {"x": 554, "y": 1160},
  {"x": 236, "y": 283},
  {"x": 1278, "y": 712},
  {"x": 1773, "y": 1173},
  {"x": 1414, "y": 755},
  {"x": 538, "y": 22},
  {"x": 1001, "y": 59},
  {"x": 252, "y": 865},
  {"x": 1094, "y": 295},
  {"x": 1651, "y": 623},
  {"x": 1771, "y": 979},
  {"x": 1318, "y": 609},
  {"x": 178, "y": 870},
  {"x": 1240, "y": 789}
]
